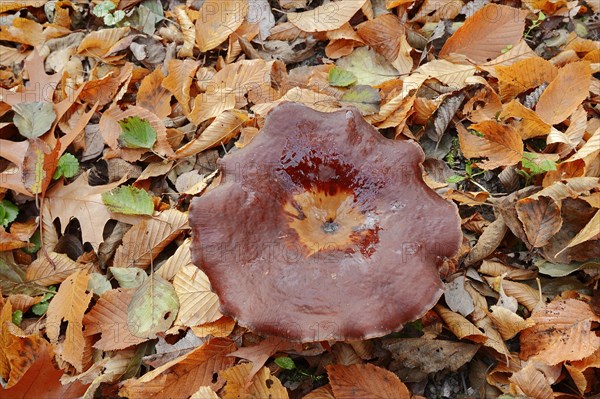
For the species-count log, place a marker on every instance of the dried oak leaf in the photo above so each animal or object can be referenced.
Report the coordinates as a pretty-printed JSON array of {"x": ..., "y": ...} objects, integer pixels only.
[{"x": 563, "y": 332}]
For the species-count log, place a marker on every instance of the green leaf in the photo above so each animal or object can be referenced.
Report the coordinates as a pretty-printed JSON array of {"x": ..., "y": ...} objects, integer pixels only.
[
  {"x": 285, "y": 362},
  {"x": 137, "y": 133},
  {"x": 456, "y": 179},
  {"x": 536, "y": 167},
  {"x": 128, "y": 200},
  {"x": 35, "y": 243},
  {"x": 369, "y": 67},
  {"x": 67, "y": 166},
  {"x": 17, "y": 317},
  {"x": 33, "y": 119},
  {"x": 129, "y": 277},
  {"x": 153, "y": 308},
  {"x": 340, "y": 77},
  {"x": 40, "y": 309},
  {"x": 103, "y": 9},
  {"x": 363, "y": 97},
  {"x": 114, "y": 18},
  {"x": 8, "y": 212}
]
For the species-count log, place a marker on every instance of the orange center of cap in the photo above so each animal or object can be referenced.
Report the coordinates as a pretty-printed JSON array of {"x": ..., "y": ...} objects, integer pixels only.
[{"x": 331, "y": 220}]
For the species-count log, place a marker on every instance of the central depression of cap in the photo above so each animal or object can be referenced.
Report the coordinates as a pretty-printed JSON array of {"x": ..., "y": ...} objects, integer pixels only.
[{"x": 323, "y": 229}]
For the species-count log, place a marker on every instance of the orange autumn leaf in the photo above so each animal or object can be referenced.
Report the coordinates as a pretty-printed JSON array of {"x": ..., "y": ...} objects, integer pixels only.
[
  {"x": 153, "y": 96},
  {"x": 524, "y": 75},
  {"x": 500, "y": 144},
  {"x": 263, "y": 385},
  {"x": 564, "y": 94},
  {"x": 562, "y": 332},
  {"x": 179, "y": 81},
  {"x": 541, "y": 219},
  {"x": 184, "y": 375},
  {"x": 383, "y": 34},
  {"x": 97, "y": 44},
  {"x": 526, "y": 121},
  {"x": 486, "y": 33},
  {"x": 109, "y": 318},
  {"x": 365, "y": 381},
  {"x": 217, "y": 20},
  {"x": 18, "y": 351},
  {"x": 68, "y": 305},
  {"x": 43, "y": 380}
]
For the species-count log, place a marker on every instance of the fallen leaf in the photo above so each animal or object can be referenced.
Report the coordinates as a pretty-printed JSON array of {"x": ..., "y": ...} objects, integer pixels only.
[
  {"x": 562, "y": 332},
  {"x": 564, "y": 94},
  {"x": 453, "y": 75},
  {"x": 69, "y": 305},
  {"x": 523, "y": 75},
  {"x": 500, "y": 144},
  {"x": 430, "y": 355},
  {"x": 185, "y": 375},
  {"x": 383, "y": 34},
  {"x": 153, "y": 308},
  {"x": 326, "y": 17},
  {"x": 220, "y": 131},
  {"x": 198, "y": 304},
  {"x": 259, "y": 354},
  {"x": 179, "y": 80},
  {"x": 365, "y": 381},
  {"x": 217, "y": 20},
  {"x": 33, "y": 118},
  {"x": 530, "y": 124},
  {"x": 264, "y": 385},
  {"x": 108, "y": 317},
  {"x": 369, "y": 67},
  {"x": 541, "y": 219},
  {"x": 144, "y": 241},
  {"x": 591, "y": 231},
  {"x": 489, "y": 240},
  {"x": 128, "y": 200},
  {"x": 153, "y": 96},
  {"x": 486, "y": 33},
  {"x": 84, "y": 202}
]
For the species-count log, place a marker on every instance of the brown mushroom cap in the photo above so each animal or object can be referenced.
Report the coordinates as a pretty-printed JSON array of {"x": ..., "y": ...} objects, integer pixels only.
[{"x": 323, "y": 229}]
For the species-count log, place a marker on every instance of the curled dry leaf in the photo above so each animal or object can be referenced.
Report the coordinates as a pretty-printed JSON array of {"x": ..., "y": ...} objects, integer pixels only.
[
  {"x": 486, "y": 33},
  {"x": 365, "y": 381},
  {"x": 489, "y": 240}
]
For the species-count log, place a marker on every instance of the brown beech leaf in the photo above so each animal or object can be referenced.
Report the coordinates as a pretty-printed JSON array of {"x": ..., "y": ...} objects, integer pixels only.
[
  {"x": 383, "y": 34},
  {"x": 326, "y": 17},
  {"x": 489, "y": 240},
  {"x": 562, "y": 332},
  {"x": 261, "y": 352},
  {"x": 153, "y": 96},
  {"x": 144, "y": 241},
  {"x": 532, "y": 382},
  {"x": 524, "y": 75},
  {"x": 109, "y": 318},
  {"x": 541, "y": 219},
  {"x": 501, "y": 144},
  {"x": 324, "y": 392},
  {"x": 197, "y": 303},
  {"x": 183, "y": 376},
  {"x": 217, "y": 20},
  {"x": 97, "y": 43},
  {"x": 220, "y": 131},
  {"x": 365, "y": 381},
  {"x": 42, "y": 379},
  {"x": 18, "y": 351},
  {"x": 179, "y": 81},
  {"x": 529, "y": 125},
  {"x": 564, "y": 94},
  {"x": 84, "y": 202},
  {"x": 486, "y": 33},
  {"x": 23, "y": 31},
  {"x": 264, "y": 385},
  {"x": 69, "y": 304}
]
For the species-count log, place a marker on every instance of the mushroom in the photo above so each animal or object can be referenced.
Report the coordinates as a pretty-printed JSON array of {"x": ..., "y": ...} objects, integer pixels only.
[{"x": 323, "y": 229}]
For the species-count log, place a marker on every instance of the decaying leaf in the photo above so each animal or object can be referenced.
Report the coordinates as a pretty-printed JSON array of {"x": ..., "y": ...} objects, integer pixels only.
[{"x": 153, "y": 308}]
